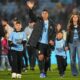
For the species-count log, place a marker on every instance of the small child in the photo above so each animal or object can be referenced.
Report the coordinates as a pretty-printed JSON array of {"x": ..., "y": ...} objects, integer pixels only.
[
  {"x": 60, "y": 53},
  {"x": 59, "y": 28},
  {"x": 17, "y": 40},
  {"x": 4, "y": 56}
]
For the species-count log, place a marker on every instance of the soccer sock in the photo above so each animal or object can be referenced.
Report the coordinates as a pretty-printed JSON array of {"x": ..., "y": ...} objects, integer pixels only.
[
  {"x": 46, "y": 65},
  {"x": 41, "y": 66}
]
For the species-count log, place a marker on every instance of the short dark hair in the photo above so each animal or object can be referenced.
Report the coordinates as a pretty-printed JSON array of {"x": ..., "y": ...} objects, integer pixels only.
[
  {"x": 60, "y": 32},
  {"x": 18, "y": 22},
  {"x": 45, "y": 10}
]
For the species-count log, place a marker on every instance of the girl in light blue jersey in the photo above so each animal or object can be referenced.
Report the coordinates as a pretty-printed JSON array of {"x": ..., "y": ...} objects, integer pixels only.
[{"x": 60, "y": 53}]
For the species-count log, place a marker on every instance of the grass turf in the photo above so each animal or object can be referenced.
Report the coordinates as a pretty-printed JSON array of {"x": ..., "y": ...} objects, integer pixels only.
[{"x": 34, "y": 75}]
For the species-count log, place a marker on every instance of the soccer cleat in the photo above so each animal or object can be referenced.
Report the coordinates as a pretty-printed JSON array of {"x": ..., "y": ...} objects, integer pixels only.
[
  {"x": 74, "y": 74},
  {"x": 14, "y": 75},
  {"x": 42, "y": 75},
  {"x": 19, "y": 76}
]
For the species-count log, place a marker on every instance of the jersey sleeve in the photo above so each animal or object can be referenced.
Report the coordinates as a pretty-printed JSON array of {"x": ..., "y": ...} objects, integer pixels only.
[
  {"x": 10, "y": 37},
  {"x": 24, "y": 36}
]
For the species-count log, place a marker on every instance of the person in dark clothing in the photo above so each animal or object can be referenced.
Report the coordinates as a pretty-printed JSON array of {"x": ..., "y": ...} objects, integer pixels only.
[
  {"x": 2, "y": 34},
  {"x": 73, "y": 41},
  {"x": 31, "y": 50},
  {"x": 25, "y": 60},
  {"x": 42, "y": 37},
  {"x": 31, "y": 6},
  {"x": 32, "y": 57}
]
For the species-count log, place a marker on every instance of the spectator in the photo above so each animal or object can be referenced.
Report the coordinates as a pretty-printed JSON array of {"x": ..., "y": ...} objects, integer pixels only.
[
  {"x": 4, "y": 57},
  {"x": 31, "y": 50}
]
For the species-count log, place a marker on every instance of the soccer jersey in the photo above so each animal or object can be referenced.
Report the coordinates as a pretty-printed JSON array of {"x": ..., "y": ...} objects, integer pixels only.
[
  {"x": 17, "y": 38},
  {"x": 59, "y": 47},
  {"x": 76, "y": 36},
  {"x": 44, "y": 38}
]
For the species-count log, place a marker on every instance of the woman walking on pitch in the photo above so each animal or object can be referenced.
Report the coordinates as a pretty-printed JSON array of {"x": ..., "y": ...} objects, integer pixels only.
[{"x": 73, "y": 40}]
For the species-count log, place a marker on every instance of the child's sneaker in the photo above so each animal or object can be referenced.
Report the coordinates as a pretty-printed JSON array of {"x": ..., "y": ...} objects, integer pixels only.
[
  {"x": 42, "y": 75},
  {"x": 61, "y": 75},
  {"x": 14, "y": 75},
  {"x": 24, "y": 70},
  {"x": 19, "y": 76}
]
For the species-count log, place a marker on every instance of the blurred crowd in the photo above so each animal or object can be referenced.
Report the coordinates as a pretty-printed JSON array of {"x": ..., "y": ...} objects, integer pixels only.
[{"x": 59, "y": 10}]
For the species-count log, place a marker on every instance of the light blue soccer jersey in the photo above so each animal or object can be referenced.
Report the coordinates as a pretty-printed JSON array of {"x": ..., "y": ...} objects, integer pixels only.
[
  {"x": 59, "y": 47},
  {"x": 76, "y": 36},
  {"x": 44, "y": 38},
  {"x": 17, "y": 38}
]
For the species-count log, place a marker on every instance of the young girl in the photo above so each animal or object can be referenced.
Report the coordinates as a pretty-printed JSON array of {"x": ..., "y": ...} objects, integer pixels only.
[
  {"x": 16, "y": 41},
  {"x": 58, "y": 28},
  {"x": 4, "y": 55},
  {"x": 60, "y": 53}
]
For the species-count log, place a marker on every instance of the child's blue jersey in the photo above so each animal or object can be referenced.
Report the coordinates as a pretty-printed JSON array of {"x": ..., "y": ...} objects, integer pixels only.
[
  {"x": 17, "y": 38},
  {"x": 59, "y": 47}
]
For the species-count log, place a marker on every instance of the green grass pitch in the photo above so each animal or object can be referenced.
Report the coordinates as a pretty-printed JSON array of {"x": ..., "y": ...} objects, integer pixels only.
[{"x": 34, "y": 75}]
